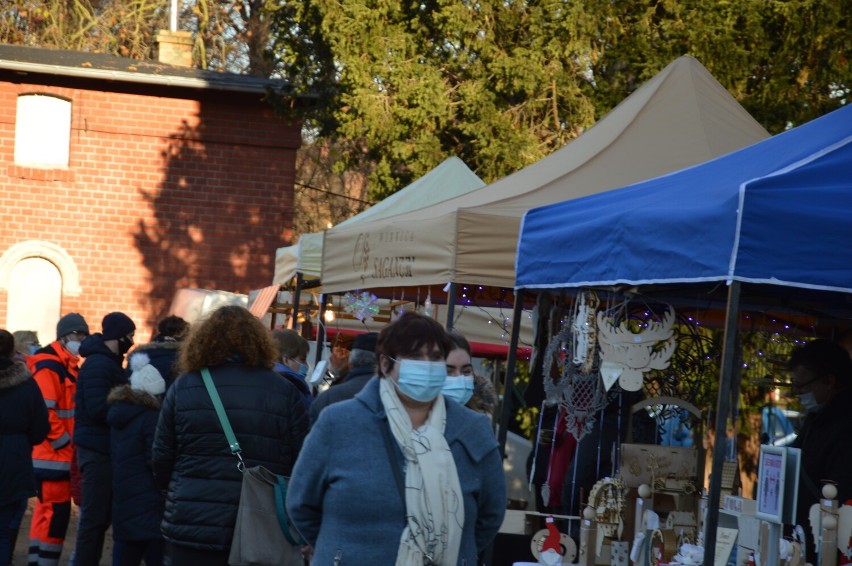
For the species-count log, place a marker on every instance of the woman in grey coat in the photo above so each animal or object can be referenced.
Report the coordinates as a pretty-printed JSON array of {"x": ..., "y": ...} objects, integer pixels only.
[{"x": 399, "y": 474}]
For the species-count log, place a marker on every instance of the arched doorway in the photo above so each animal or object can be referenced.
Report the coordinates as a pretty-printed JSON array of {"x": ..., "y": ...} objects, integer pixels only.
[
  {"x": 35, "y": 298},
  {"x": 37, "y": 276}
]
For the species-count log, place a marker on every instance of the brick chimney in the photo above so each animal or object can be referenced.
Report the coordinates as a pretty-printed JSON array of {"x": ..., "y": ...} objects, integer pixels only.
[{"x": 175, "y": 48}]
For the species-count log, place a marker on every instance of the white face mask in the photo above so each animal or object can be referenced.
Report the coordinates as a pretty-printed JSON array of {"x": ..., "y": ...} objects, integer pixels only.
[
  {"x": 809, "y": 402},
  {"x": 73, "y": 346},
  {"x": 459, "y": 389},
  {"x": 420, "y": 379}
]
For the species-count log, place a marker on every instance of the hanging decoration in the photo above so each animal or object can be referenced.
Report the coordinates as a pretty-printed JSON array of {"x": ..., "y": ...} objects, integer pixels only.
[
  {"x": 556, "y": 383},
  {"x": 627, "y": 355},
  {"x": 576, "y": 386},
  {"x": 428, "y": 309},
  {"x": 362, "y": 305},
  {"x": 397, "y": 307},
  {"x": 584, "y": 331}
]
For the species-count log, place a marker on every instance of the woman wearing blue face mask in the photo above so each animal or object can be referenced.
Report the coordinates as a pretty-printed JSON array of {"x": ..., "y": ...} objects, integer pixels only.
[
  {"x": 463, "y": 385},
  {"x": 292, "y": 362},
  {"x": 398, "y": 475}
]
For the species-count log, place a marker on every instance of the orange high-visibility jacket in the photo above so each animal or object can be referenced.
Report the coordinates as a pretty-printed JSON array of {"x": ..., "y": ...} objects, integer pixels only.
[{"x": 55, "y": 370}]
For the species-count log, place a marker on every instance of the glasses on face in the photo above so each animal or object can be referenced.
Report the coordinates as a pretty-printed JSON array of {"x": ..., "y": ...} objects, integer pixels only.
[{"x": 78, "y": 335}]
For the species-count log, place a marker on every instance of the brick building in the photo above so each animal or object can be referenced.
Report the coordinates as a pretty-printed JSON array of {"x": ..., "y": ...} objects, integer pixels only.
[{"x": 122, "y": 181}]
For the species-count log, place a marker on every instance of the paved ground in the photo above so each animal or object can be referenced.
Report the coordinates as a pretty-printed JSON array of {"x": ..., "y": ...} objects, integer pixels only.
[{"x": 22, "y": 546}]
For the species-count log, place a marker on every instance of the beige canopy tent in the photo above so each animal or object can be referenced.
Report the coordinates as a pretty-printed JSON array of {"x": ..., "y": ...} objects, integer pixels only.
[
  {"x": 681, "y": 117},
  {"x": 449, "y": 179}
]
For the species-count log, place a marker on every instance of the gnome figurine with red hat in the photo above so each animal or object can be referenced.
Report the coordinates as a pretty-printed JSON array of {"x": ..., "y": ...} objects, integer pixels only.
[{"x": 551, "y": 547}]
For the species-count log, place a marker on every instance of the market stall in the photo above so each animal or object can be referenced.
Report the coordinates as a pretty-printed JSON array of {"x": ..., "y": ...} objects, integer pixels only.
[{"x": 766, "y": 226}]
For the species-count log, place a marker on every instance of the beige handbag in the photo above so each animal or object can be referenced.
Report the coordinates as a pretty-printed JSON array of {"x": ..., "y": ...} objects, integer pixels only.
[{"x": 262, "y": 533}]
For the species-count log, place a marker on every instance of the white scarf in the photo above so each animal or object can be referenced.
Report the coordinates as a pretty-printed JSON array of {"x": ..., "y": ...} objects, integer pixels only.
[{"x": 433, "y": 496}]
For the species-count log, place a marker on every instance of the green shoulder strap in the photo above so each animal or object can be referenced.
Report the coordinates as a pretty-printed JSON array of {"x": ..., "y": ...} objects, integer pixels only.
[
  {"x": 280, "y": 489},
  {"x": 220, "y": 412}
]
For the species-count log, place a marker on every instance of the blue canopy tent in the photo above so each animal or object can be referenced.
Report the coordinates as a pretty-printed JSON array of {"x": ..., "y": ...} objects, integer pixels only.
[{"x": 776, "y": 214}]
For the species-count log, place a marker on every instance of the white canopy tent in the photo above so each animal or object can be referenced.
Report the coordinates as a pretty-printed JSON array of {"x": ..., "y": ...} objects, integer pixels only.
[{"x": 449, "y": 179}]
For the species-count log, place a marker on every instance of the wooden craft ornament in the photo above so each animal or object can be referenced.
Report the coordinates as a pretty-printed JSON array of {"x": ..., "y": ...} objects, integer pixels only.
[
  {"x": 627, "y": 355},
  {"x": 552, "y": 548}
]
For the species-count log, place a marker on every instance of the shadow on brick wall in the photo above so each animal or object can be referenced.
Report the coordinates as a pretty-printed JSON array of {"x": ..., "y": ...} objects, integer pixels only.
[{"x": 223, "y": 207}]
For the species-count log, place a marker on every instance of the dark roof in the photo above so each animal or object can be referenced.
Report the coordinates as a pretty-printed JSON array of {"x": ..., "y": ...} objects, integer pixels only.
[{"x": 109, "y": 67}]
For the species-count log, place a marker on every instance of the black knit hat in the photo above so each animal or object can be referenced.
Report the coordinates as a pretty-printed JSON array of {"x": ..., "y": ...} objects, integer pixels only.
[{"x": 117, "y": 325}]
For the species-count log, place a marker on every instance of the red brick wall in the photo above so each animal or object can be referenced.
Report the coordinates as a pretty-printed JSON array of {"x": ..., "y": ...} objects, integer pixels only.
[{"x": 165, "y": 189}]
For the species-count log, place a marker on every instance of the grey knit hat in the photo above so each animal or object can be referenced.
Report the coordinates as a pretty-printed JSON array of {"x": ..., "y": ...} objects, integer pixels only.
[{"x": 71, "y": 322}]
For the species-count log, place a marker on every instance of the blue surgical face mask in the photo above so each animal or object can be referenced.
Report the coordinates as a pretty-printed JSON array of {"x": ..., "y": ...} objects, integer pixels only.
[
  {"x": 421, "y": 380},
  {"x": 459, "y": 389},
  {"x": 303, "y": 370},
  {"x": 809, "y": 402},
  {"x": 73, "y": 346}
]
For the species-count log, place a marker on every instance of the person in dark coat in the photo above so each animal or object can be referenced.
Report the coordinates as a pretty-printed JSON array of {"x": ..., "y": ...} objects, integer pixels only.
[
  {"x": 822, "y": 381},
  {"x": 191, "y": 457},
  {"x": 24, "y": 423},
  {"x": 362, "y": 366},
  {"x": 102, "y": 371},
  {"x": 292, "y": 362},
  {"x": 162, "y": 352},
  {"x": 137, "y": 504}
]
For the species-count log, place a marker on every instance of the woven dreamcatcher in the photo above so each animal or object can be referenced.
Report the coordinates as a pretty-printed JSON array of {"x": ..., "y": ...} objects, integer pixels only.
[{"x": 577, "y": 387}]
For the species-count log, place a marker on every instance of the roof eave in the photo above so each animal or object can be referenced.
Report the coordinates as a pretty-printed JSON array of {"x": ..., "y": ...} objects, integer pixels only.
[{"x": 245, "y": 84}]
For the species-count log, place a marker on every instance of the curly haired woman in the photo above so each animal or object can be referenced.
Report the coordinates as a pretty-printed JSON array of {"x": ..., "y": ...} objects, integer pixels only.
[{"x": 191, "y": 456}]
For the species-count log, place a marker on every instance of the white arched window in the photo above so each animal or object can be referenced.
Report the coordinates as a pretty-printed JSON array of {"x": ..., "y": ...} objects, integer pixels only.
[{"x": 42, "y": 131}]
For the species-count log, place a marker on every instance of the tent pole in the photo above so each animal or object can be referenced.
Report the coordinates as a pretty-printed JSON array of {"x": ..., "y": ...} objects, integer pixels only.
[
  {"x": 508, "y": 389},
  {"x": 321, "y": 329},
  {"x": 451, "y": 305},
  {"x": 297, "y": 296},
  {"x": 723, "y": 407}
]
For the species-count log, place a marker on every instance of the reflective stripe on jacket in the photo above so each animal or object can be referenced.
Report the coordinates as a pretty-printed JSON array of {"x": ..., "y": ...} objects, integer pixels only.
[{"x": 55, "y": 371}]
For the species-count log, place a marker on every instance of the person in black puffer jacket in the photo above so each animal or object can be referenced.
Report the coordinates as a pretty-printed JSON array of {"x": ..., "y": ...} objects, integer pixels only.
[
  {"x": 191, "y": 457},
  {"x": 23, "y": 424},
  {"x": 137, "y": 504},
  {"x": 102, "y": 371}
]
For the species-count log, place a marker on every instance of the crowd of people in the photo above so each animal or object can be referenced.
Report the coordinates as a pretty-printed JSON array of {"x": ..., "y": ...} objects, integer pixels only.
[
  {"x": 130, "y": 435},
  {"x": 396, "y": 462}
]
